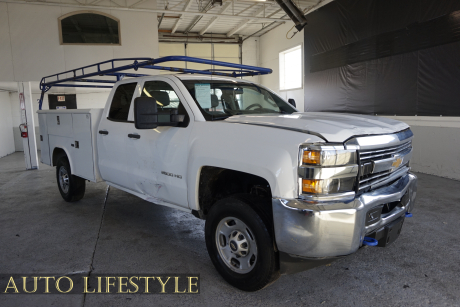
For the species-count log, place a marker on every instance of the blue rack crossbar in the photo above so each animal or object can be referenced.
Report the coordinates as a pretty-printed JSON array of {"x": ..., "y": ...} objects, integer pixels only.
[{"x": 108, "y": 68}]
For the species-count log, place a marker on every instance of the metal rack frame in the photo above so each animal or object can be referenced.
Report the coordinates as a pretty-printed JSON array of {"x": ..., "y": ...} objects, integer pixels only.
[{"x": 101, "y": 69}]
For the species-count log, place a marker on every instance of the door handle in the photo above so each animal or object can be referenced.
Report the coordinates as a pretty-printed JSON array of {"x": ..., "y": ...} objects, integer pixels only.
[
  {"x": 105, "y": 132},
  {"x": 134, "y": 136}
]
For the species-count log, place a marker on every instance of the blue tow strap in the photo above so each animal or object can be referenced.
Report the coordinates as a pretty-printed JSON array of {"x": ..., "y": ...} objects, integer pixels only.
[{"x": 370, "y": 241}]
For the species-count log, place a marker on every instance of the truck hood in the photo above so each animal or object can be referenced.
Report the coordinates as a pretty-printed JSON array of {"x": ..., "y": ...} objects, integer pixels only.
[{"x": 333, "y": 127}]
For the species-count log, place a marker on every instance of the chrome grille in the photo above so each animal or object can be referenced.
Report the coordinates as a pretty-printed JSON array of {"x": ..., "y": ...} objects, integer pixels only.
[
  {"x": 368, "y": 159},
  {"x": 384, "y": 153}
]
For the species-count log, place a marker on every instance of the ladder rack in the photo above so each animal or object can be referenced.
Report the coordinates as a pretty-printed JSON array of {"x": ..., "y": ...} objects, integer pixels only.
[{"x": 90, "y": 74}]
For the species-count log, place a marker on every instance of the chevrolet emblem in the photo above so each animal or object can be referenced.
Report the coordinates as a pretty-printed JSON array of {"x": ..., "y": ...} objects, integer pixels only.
[{"x": 397, "y": 163}]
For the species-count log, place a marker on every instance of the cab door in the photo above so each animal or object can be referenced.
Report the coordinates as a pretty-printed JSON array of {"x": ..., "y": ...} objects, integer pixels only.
[
  {"x": 112, "y": 135},
  {"x": 157, "y": 158}
]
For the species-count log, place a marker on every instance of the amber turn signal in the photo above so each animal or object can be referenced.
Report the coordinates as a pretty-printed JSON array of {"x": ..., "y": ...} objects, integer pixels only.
[
  {"x": 311, "y": 186},
  {"x": 311, "y": 157}
]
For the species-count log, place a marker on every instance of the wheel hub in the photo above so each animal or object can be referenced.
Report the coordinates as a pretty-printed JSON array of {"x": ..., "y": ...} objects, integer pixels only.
[
  {"x": 64, "y": 179},
  {"x": 236, "y": 245}
]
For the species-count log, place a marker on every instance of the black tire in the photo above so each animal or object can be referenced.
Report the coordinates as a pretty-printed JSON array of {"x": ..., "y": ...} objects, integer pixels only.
[
  {"x": 265, "y": 270},
  {"x": 74, "y": 190}
]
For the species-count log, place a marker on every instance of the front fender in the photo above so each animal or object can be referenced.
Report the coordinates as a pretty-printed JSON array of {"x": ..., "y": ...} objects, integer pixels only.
[{"x": 267, "y": 152}]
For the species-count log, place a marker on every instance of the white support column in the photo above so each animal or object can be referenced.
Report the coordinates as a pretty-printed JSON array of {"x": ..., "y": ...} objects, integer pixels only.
[{"x": 27, "y": 117}]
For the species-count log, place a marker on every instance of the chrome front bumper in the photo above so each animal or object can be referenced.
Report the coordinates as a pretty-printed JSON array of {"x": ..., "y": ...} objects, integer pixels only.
[{"x": 323, "y": 230}]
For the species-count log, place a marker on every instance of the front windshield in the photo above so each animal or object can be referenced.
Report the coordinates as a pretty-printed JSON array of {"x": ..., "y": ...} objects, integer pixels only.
[{"x": 221, "y": 99}]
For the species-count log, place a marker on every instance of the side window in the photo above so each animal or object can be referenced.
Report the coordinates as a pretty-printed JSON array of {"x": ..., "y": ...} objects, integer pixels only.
[
  {"x": 166, "y": 98},
  {"x": 121, "y": 102},
  {"x": 163, "y": 93}
]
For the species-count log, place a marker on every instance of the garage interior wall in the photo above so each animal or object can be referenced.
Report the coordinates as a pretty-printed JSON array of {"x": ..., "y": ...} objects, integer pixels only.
[
  {"x": 270, "y": 45},
  {"x": 30, "y": 41},
  {"x": 374, "y": 57},
  {"x": 436, "y": 144},
  {"x": 6, "y": 125},
  {"x": 31, "y": 49},
  {"x": 86, "y": 100},
  {"x": 248, "y": 55},
  {"x": 211, "y": 51}
]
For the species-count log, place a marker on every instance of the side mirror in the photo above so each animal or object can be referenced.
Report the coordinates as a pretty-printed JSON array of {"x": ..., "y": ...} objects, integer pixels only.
[
  {"x": 292, "y": 102},
  {"x": 145, "y": 113}
]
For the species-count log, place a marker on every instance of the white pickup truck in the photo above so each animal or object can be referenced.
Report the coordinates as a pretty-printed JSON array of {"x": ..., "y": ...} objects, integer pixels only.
[{"x": 281, "y": 190}]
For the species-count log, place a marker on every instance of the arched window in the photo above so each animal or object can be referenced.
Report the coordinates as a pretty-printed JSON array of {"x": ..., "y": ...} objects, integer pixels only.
[{"x": 89, "y": 27}]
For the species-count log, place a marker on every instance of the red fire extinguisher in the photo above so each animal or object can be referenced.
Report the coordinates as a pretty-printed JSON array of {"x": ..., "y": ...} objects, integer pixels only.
[{"x": 23, "y": 129}]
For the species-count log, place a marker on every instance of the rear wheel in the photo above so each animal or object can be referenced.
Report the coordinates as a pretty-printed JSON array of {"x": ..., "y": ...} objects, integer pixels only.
[
  {"x": 240, "y": 245},
  {"x": 71, "y": 187}
]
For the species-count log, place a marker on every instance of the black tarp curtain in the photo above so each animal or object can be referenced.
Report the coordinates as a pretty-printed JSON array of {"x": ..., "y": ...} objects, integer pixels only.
[{"x": 392, "y": 57}]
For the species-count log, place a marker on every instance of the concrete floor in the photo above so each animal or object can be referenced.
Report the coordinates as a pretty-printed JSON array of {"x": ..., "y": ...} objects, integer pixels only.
[{"x": 40, "y": 233}]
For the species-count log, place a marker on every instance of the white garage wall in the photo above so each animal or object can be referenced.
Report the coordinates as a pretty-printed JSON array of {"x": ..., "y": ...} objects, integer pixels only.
[
  {"x": 270, "y": 45},
  {"x": 30, "y": 47},
  {"x": 436, "y": 144},
  {"x": 6, "y": 125},
  {"x": 250, "y": 55},
  {"x": 92, "y": 100},
  {"x": 210, "y": 51}
]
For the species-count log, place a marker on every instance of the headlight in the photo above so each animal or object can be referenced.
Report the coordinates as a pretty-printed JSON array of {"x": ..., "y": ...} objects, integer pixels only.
[
  {"x": 327, "y": 170},
  {"x": 328, "y": 157}
]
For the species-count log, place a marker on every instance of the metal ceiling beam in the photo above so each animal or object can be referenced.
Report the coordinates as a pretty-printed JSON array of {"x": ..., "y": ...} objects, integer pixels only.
[
  {"x": 247, "y": 8},
  {"x": 187, "y": 6},
  {"x": 35, "y": 2},
  {"x": 196, "y": 38},
  {"x": 274, "y": 13},
  {"x": 138, "y": 2},
  {"x": 243, "y": 24},
  {"x": 208, "y": 6},
  {"x": 214, "y": 19},
  {"x": 260, "y": 10},
  {"x": 177, "y": 4},
  {"x": 240, "y": 26},
  {"x": 116, "y": 3},
  {"x": 318, "y": 5},
  {"x": 277, "y": 24}
]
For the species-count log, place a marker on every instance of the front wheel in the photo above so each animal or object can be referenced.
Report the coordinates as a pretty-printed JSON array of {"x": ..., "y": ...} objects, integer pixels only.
[
  {"x": 71, "y": 187},
  {"x": 240, "y": 245}
]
